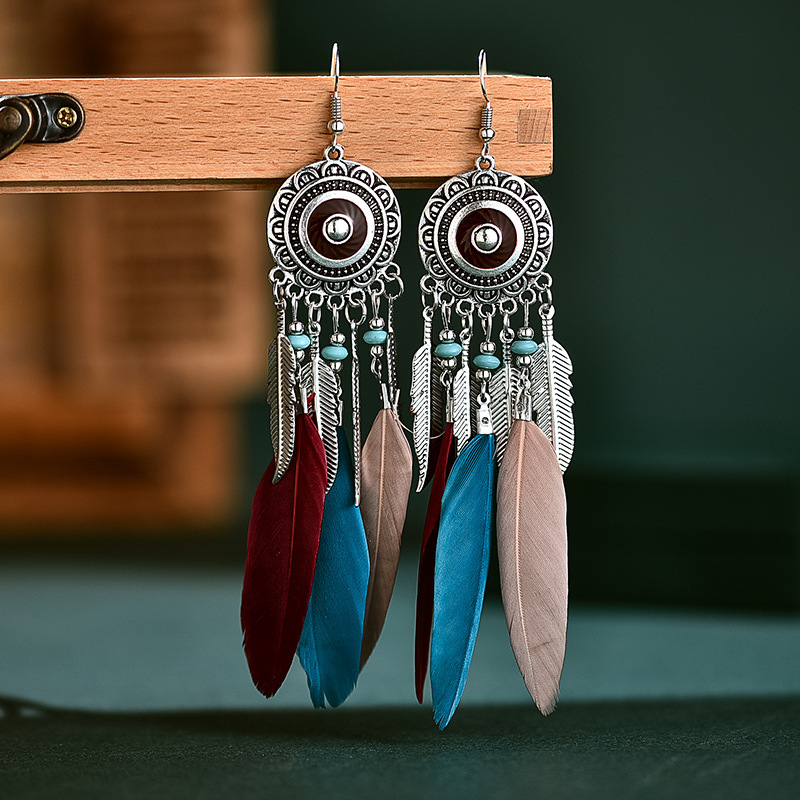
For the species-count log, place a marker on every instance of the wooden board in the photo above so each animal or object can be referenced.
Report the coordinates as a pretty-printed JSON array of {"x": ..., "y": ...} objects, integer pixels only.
[{"x": 251, "y": 133}]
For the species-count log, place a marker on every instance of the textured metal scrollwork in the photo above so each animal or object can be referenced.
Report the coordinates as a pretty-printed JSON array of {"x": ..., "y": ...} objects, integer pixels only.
[
  {"x": 485, "y": 235},
  {"x": 333, "y": 227}
]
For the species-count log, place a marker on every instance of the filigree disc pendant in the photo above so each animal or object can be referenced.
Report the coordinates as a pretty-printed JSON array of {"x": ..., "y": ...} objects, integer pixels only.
[{"x": 333, "y": 228}]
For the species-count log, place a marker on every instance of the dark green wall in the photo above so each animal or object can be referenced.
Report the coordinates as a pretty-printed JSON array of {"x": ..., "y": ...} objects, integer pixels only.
[{"x": 675, "y": 205}]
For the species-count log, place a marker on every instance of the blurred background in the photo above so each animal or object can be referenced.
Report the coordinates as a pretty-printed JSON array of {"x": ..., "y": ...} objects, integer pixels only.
[{"x": 133, "y": 327}]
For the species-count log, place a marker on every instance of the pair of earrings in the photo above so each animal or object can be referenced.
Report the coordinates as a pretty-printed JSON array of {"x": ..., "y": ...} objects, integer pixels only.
[{"x": 324, "y": 536}]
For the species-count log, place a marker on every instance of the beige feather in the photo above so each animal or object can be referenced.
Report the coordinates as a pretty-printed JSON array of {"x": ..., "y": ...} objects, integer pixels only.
[
  {"x": 386, "y": 466},
  {"x": 532, "y": 551}
]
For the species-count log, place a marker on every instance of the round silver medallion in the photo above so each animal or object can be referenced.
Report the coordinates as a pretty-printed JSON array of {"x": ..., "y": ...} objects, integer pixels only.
[
  {"x": 333, "y": 227},
  {"x": 485, "y": 235}
]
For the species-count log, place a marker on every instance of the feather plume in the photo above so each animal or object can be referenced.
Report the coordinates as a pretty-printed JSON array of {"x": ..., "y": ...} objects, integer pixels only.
[
  {"x": 462, "y": 562},
  {"x": 552, "y": 400},
  {"x": 437, "y": 419},
  {"x": 282, "y": 543},
  {"x": 386, "y": 467},
  {"x": 421, "y": 409},
  {"x": 330, "y": 645},
  {"x": 427, "y": 560},
  {"x": 280, "y": 375},
  {"x": 532, "y": 551}
]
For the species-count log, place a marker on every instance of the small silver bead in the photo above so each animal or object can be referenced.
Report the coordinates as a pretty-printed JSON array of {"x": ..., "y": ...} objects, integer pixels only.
[
  {"x": 337, "y": 126},
  {"x": 338, "y": 228},
  {"x": 336, "y": 366},
  {"x": 487, "y": 134},
  {"x": 299, "y": 355},
  {"x": 525, "y": 333},
  {"x": 447, "y": 336},
  {"x": 486, "y": 238},
  {"x": 487, "y": 347},
  {"x": 338, "y": 338},
  {"x": 377, "y": 323},
  {"x": 524, "y": 361},
  {"x": 376, "y": 350},
  {"x": 483, "y": 374},
  {"x": 296, "y": 326},
  {"x": 449, "y": 363}
]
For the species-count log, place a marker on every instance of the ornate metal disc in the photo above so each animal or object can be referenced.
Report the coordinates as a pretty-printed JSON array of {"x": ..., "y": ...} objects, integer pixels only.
[
  {"x": 333, "y": 228},
  {"x": 485, "y": 235}
]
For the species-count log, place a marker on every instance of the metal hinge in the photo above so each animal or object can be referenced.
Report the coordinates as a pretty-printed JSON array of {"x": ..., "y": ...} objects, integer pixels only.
[{"x": 38, "y": 118}]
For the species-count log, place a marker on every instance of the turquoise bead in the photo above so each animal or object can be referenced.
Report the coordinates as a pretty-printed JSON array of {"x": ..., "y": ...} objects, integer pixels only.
[
  {"x": 486, "y": 361},
  {"x": 299, "y": 341},
  {"x": 334, "y": 352},
  {"x": 448, "y": 350},
  {"x": 524, "y": 347},
  {"x": 375, "y": 337}
]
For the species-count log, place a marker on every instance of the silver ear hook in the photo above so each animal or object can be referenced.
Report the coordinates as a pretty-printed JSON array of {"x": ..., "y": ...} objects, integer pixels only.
[
  {"x": 335, "y": 68},
  {"x": 482, "y": 76},
  {"x": 486, "y": 130},
  {"x": 336, "y": 125}
]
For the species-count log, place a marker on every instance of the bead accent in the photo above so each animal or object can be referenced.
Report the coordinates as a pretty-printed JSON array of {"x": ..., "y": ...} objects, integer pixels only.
[
  {"x": 334, "y": 352},
  {"x": 486, "y": 361},
  {"x": 338, "y": 338},
  {"x": 295, "y": 326},
  {"x": 447, "y": 335},
  {"x": 375, "y": 337},
  {"x": 299, "y": 341},
  {"x": 487, "y": 347},
  {"x": 525, "y": 333},
  {"x": 448, "y": 350},
  {"x": 524, "y": 347},
  {"x": 376, "y": 323}
]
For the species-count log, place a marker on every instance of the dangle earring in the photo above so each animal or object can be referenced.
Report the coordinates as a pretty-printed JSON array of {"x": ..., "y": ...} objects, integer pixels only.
[
  {"x": 333, "y": 230},
  {"x": 485, "y": 239}
]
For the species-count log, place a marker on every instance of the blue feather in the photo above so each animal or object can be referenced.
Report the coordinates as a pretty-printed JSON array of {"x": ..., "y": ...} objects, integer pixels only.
[
  {"x": 330, "y": 645},
  {"x": 462, "y": 562}
]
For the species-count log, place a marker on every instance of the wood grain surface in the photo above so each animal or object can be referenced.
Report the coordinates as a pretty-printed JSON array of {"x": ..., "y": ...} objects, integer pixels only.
[{"x": 251, "y": 133}]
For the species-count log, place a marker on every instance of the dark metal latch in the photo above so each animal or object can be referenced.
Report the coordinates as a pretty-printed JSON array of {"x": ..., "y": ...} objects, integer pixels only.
[{"x": 51, "y": 117}]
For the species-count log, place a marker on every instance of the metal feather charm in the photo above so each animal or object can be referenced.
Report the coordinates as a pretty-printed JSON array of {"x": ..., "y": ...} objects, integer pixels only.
[
  {"x": 421, "y": 409},
  {"x": 437, "y": 399},
  {"x": 438, "y": 396},
  {"x": 532, "y": 553},
  {"x": 320, "y": 381},
  {"x": 462, "y": 405},
  {"x": 355, "y": 397},
  {"x": 499, "y": 402},
  {"x": 386, "y": 467},
  {"x": 280, "y": 397},
  {"x": 552, "y": 400}
]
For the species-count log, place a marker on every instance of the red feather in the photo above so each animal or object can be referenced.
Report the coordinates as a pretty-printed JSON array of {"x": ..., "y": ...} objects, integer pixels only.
[
  {"x": 282, "y": 544},
  {"x": 433, "y": 458},
  {"x": 427, "y": 559}
]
